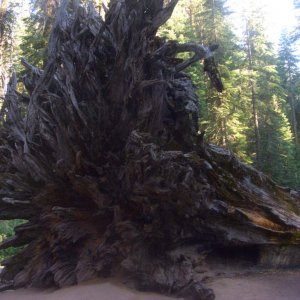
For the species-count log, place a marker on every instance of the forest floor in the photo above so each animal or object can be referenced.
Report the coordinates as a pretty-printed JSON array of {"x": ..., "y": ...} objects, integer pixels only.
[
  {"x": 263, "y": 285},
  {"x": 272, "y": 285}
]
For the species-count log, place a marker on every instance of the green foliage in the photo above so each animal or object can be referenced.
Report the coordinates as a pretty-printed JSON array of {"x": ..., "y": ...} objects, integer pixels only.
[
  {"x": 296, "y": 34},
  {"x": 228, "y": 118},
  {"x": 33, "y": 47},
  {"x": 277, "y": 157},
  {"x": 6, "y": 231},
  {"x": 37, "y": 31}
]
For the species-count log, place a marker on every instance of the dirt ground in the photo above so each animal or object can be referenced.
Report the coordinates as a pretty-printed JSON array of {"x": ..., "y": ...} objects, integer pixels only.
[
  {"x": 96, "y": 289},
  {"x": 280, "y": 285}
]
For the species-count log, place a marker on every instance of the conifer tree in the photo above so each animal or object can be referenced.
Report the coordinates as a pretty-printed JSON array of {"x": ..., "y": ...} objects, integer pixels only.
[
  {"x": 7, "y": 26},
  {"x": 250, "y": 116},
  {"x": 271, "y": 136},
  {"x": 205, "y": 23},
  {"x": 38, "y": 27},
  {"x": 296, "y": 34},
  {"x": 289, "y": 73}
]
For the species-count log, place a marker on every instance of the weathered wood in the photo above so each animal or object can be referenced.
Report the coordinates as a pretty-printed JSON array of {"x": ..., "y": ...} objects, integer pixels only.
[
  {"x": 6, "y": 286},
  {"x": 104, "y": 160}
]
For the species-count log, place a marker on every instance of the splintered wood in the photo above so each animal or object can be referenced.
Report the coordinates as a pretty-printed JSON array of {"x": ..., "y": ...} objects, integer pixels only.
[{"x": 102, "y": 156}]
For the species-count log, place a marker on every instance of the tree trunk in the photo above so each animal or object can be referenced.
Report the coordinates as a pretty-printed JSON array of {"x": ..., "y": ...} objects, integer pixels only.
[
  {"x": 294, "y": 119},
  {"x": 214, "y": 27},
  {"x": 256, "y": 128},
  {"x": 249, "y": 46},
  {"x": 3, "y": 75},
  {"x": 104, "y": 161},
  {"x": 292, "y": 99}
]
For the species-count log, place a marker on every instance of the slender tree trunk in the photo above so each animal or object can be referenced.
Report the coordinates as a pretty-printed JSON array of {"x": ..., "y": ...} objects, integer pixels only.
[
  {"x": 291, "y": 98},
  {"x": 256, "y": 127},
  {"x": 253, "y": 96},
  {"x": 294, "y": 119},
  {"x": 190, "y": 14},
  {"x": 200, "y": 29},
  {"x": 3, "y": 75},
  {"x": 224, "y": 132},
  {"x": 214, "y": 27}
]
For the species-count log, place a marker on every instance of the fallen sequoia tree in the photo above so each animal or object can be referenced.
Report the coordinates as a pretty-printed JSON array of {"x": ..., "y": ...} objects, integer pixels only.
[{"x": 103, "y": 158}]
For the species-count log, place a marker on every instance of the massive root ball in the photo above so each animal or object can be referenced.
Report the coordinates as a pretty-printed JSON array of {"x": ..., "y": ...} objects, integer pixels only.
[{"x": 103, "y": 159}]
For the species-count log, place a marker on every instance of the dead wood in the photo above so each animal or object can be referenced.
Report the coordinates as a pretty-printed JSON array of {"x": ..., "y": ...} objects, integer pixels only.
[{"x": 104, "y": 160}]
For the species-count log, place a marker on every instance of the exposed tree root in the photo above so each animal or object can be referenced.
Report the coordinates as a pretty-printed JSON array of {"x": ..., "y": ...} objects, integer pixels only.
[{"x": 103, "y": 159}]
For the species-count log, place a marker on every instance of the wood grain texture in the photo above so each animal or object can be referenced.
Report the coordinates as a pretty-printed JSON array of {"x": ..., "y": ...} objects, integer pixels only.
[{"x": 104, "y": 160}]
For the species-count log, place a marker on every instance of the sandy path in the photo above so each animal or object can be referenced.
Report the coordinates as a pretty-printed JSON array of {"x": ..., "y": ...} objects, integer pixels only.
[
  {"x": 268, "y": 286},
  {"x": 284, "y": 285},
  {"x": 96, "y": 289}
]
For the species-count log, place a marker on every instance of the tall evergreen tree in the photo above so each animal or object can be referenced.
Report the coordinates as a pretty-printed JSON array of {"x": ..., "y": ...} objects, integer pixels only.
[
  {"x": 271, "y": 137},
  {"x": 289, "y": 73},
  {"x": 38, "y": 27},
  {"x": 7, "y": 25},
  {"x": 296, "y": 35},
  {"x": 215, "y": 31},
  {"x": 206, "y": 24},
  {"x": 255, "y": 46}
]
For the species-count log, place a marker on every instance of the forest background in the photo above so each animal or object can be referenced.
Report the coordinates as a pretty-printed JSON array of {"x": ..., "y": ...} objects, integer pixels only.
[{"x": 257, "y": 116}]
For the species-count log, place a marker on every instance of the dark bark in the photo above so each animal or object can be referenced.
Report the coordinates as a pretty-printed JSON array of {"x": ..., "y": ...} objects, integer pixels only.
[{"x": 105, "y": 162}]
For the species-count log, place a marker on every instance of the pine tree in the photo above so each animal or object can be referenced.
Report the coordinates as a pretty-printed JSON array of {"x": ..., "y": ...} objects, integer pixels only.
[
  {"x": 204, "y": 22},
  {"x": 38, "y": 27},
  {"x": 7, "y": 27},
  {"x": 289, "y": 73},
  {"x": 212, "y": 28},
  {"x": 254, "y": 47},
  {"x": 249, "y": 117},
  {"x": 271, "y": 136},
  {"x": 296, "y": 34}
]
